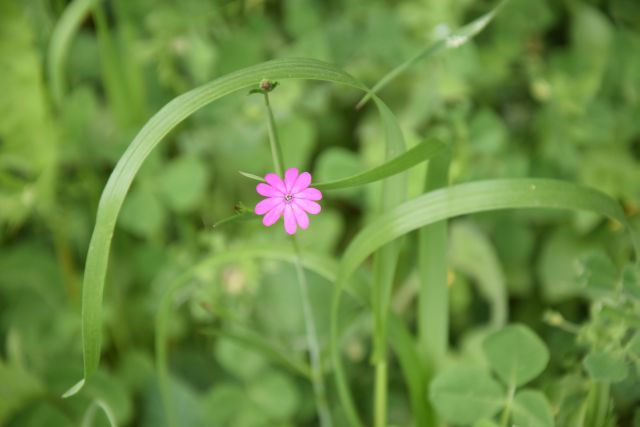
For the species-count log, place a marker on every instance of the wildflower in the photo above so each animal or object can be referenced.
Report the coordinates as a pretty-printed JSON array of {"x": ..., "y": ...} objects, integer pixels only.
[{"x": 292, "y": 197}]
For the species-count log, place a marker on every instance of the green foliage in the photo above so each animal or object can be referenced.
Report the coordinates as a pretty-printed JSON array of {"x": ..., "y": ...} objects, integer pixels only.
[
  {"x": 464, "y": 395},
  {"x": 515, "y": 115},
  {"x": 516, "y": 354}
]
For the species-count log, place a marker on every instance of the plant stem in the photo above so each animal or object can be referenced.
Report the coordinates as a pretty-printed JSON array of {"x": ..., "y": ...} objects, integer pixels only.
[
  {"x": 380, "y": 406},
  {"x": 274, "y": 143},
  {"x": 317, "y": 378},
  {"x": 506, "y": 413},
  {"x": 312, "y": 342}
]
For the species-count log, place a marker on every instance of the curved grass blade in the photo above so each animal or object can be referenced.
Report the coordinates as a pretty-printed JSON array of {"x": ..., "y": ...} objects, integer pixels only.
[
  {"x": 400, "y": 163},
  {"x": 147, "y": 139},
  {"x": 61, "y": 37},
  {"x": 452, "y": 41},
  {"x": 460, "y": 200},
  {"x": 89, "y": 415},
  {"x": 412, "y": 157}
]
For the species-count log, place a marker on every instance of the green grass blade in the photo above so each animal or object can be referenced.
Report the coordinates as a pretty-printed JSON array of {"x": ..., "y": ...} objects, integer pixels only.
[
  {"x": 413, "y": 371},
  {"x": 61, "y": 37},
  {"x": 143, "y": 144},
  {"x": 400, "y": 163},
  {"x": 433, "y": 297},
  {"x": 89, "y": 415},
  {"x": 454, "y": 40},
  {"x": 475, "y": 197}
]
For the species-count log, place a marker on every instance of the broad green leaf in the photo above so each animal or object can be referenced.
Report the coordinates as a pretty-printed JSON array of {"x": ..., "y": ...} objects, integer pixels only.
[
  {"x": 516, "y": 354},
  {"x": 143, "y": 144},
  {"x": 466, "y": 394},
  {"x": 531, "y": 409},
  {"x": 257, "y": 343},
  {"x": 606, "y": 366},
  {"x": 452, "y": 41},
  {"x": 143, "y": 214},
  {"x": 631, "y": 280},
  {"x": 183, "y": 183},
  {"x": 276, "y": 394},
  {"x": 599, "y": 275}
]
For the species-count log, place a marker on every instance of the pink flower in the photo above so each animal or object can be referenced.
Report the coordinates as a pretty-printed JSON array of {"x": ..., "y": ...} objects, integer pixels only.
[{"x": 293, "y": 198}]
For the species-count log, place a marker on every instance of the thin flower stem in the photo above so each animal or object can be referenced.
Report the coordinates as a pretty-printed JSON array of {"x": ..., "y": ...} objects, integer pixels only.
[
  {"x": 312, "y": 342},
  {"x": 274, "y": 142},
  {"x": 317, "y": 378}
]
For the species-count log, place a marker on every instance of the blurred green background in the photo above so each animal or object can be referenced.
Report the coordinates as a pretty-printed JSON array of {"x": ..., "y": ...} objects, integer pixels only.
[{"x": 549, "y": 89}]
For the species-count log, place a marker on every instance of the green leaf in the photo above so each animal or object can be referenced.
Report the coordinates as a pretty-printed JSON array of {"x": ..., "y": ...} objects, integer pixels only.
[
  {"x": 416, "y": 155},
  {"x": 466, "y": 394},
  {"x": 143, "y": 144},
  {"x": 183, "y": 183},
  {"x": 599, "y": 275},
  {"x": 264, "y": 347},
  {"x": 275, "y": 394},
  {"x": 631, "y": 280},
  {"x": 452, "y": 41},
  {"x": 531, "y": 409},
  {"x": 479, "y": 196},
  {"x": 143, "y": 214},
  {"x": 606, "y": 366},
  {"x": 516, "y": 354}
]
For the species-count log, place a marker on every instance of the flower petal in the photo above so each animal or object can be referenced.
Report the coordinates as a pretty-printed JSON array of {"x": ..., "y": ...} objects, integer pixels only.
[
  {"x": 301, "y": 216},
  {"x": 268, "y": 191},
  {"x": 267, "y": 204},
  {"x": 301, "y": 183},
  {"x": 275, "y": 181},
  {"x": 309, "y": 194},
  {"x": 308, "y": 205},
  {"x": 274, "y": 215},
  {"x": 289, "y": 219},
  {"x": 290, "y": 177}
]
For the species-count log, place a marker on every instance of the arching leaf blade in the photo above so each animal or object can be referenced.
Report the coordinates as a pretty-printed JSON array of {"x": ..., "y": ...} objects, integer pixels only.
[
  {"x": 400, "y": 163},
  {"x": 452, "y": 41}
]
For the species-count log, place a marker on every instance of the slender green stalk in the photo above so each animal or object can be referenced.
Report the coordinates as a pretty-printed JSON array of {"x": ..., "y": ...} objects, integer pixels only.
[
  {"x": 276, "y": 151},
  {"x": 317, "y": 378},
  {"x": 506, "y": 413}
]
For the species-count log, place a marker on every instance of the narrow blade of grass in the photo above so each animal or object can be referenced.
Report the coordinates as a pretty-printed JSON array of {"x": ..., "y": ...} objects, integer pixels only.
[
  {"x": 60, "y": 42},
  {"x": 455, "y": 39}
]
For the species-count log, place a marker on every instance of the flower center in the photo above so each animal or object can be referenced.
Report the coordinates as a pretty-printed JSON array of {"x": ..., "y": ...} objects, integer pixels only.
[{"x": 288, "y": 198}]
